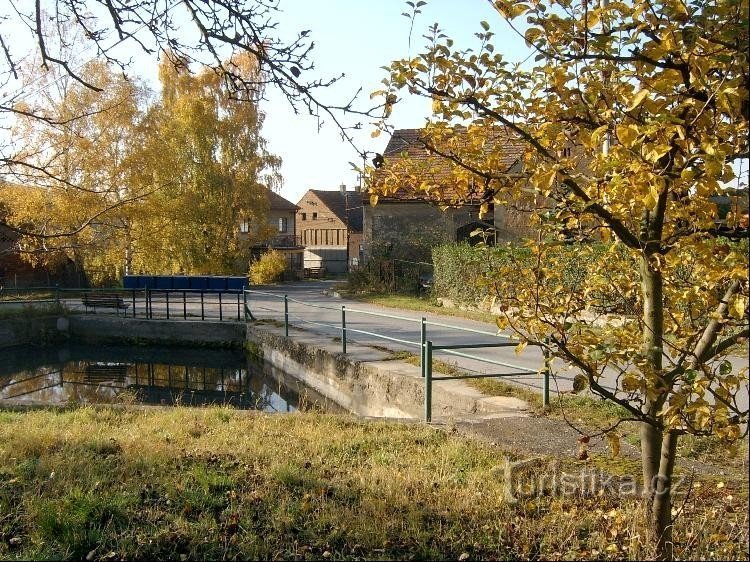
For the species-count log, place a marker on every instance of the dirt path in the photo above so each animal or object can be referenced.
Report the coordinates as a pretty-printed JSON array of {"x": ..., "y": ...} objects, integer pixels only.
[{"x": 551, "y": 437}]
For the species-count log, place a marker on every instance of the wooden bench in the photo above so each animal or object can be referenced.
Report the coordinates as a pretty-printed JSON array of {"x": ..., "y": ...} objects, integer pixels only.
[
  {"x": 103, "y": 300},
  {"x": 314, "y": 272}
]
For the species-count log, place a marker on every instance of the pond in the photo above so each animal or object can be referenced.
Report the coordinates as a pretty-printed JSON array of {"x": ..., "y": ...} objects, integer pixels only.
[{"x": 77, "y": 374}]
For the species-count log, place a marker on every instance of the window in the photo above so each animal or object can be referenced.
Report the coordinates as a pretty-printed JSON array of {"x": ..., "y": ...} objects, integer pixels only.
[
  {"x": 304, "y": 216},
  {"x": 315, "y": 216},
  {"x": 282, "y": 224},
  {"x": 567, "y": 151},
  {"x": 245, "y": 226}
]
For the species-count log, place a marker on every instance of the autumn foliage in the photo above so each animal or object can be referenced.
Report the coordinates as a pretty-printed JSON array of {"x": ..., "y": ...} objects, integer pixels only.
[{"x": 633, "y": 116}]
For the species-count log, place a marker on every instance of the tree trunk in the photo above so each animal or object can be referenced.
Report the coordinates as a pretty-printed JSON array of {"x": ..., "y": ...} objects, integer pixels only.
[
  {"x": 661, "y": 505},
  {"x": 657, "y": 450}
]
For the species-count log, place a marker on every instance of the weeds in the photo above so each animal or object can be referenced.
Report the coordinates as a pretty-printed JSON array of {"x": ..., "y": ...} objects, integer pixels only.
[{"x": 218, "y": 483}]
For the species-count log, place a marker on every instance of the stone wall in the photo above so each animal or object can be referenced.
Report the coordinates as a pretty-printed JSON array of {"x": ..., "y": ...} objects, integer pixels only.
[
  {"x": 24, "y": 331},
  {"x": 161, "y": 332},
  {"x": 409, "y": 230}
]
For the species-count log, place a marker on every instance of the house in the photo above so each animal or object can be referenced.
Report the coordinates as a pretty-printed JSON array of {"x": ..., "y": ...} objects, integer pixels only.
[
  {"x": 15, "y": 271},
  {"x": 407, "y": 223},
  {"x": 279, "y": 233},
  {"x": 330, "y": 225}
]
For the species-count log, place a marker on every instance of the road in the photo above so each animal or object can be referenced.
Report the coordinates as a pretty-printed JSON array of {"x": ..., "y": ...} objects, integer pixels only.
[{"x": 312, "y": 307}]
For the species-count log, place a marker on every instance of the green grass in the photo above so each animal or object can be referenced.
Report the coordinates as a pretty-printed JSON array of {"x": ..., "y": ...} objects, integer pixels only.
[
  {"x": 417, "y": 303},
  {"x": 214, "y": 483}
]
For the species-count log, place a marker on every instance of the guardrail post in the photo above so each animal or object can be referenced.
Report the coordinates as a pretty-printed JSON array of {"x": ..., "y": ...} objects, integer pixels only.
[
  {"x": 166, "y": 297},
  {"x": 422, "y": 340},
  {"x": 244, "y": 303},
  {"x": 203, "y": 310},
  {"x": 545, "y": 387},
  {"x": 57, "y": 294},
  {"x": 238, "y": 307},
  {"x": 286, "y": 316},
  {"x": 343, "y": 329},
  {"x": 148, "y": 303},
  {"x": 184, "y": 305},
  {"x": 428, "y": 383},
  {"x": 221, "y": 313}
]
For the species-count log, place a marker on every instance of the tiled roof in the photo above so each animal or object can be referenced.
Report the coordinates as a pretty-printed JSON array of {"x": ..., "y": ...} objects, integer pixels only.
[
  {"x": 337, "y": 203},
  {"x": 278, "y": 203},
  {"x": 501, "y": 147}
]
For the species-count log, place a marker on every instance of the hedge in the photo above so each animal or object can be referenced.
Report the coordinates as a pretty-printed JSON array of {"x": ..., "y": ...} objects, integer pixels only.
[{"x": 462, "y": 272}]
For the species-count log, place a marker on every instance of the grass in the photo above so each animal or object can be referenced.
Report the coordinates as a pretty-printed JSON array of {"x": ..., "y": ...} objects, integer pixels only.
[
  {"x": 32, "y": 310},
  {"x": 214, "y": 483},
  {"x": 417, "y": 303},
  {"x": 593, "y": 414}
]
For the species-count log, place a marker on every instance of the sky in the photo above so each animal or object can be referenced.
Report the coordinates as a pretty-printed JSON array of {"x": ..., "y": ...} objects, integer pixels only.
[
  {"x": 357, "y": 37},
  {"x": 353, "y": 37}
]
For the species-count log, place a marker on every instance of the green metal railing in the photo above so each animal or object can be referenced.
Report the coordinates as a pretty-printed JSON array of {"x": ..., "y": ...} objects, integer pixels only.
[
  {"x": 169, "y": 304},
  {"x": 173, "y": 304},
  {"x": 426, "y": 346}
]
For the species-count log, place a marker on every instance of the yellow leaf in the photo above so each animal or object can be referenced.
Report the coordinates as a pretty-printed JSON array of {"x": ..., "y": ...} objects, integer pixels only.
[
  {"x": 614, "y": 443},
  {"x": 627, "y": 134},
  {"x": 375, "y": 133},
  {"x": 520, "y": 347},
  {"x": 638, "y": 99},
  {"x": 502, "y": 322},
  {"x": 738, "y": 307},
  {"x": 373, "y": 200},
  {"x": 598, "y": 134},
  {"x": 649, "y": 200}
]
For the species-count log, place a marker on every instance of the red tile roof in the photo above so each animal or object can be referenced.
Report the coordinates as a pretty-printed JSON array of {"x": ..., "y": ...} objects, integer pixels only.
[{"x": 499, "y": 150}]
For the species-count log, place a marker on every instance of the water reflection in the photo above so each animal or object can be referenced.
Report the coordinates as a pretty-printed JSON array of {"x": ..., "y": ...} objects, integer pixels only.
[{"x": 104, "y": 375}]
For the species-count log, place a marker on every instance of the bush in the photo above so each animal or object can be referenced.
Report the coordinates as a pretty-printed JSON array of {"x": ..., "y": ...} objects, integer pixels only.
[
  {"x": 462, "y": 271},
  {"x": 466, "y": 274},
  {"x": 268, "y": 268}
]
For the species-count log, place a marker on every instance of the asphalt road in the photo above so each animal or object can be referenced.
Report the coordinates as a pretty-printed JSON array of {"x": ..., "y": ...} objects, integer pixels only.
[{"x": 310, "y": 308}]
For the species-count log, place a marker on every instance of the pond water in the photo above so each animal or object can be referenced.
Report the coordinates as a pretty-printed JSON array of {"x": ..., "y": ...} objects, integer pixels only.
[{"x": 160, "y": 376}]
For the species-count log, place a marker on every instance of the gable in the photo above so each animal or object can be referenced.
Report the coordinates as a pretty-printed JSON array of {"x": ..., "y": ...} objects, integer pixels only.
[{"x": 417, "y": 162}]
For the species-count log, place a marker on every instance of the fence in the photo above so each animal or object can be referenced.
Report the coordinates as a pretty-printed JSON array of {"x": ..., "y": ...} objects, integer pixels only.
[
  {"x": 173, "y": 304},
  {"x": 426, "y": 346},
  {"x": 169, "y": 304}
]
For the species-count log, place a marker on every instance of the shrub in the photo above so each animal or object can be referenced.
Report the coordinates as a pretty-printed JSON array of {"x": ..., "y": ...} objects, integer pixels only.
[
  {"x": 268, "y": 268},
  {"x": 466, "y": 274}
]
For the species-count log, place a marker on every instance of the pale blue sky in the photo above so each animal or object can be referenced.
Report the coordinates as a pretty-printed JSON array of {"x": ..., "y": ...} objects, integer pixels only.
[{"x": 357, "y": 37}]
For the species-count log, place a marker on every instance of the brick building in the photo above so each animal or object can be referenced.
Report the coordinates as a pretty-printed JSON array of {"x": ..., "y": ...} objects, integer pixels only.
[{"x": 330, "y": 227}]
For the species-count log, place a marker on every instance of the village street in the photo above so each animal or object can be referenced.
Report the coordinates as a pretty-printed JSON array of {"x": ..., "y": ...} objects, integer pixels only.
[{"x": 316, "y": 294}]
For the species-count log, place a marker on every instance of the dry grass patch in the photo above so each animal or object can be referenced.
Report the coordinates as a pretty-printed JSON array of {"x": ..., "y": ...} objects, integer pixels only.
[{"x": 218, "y": 483}]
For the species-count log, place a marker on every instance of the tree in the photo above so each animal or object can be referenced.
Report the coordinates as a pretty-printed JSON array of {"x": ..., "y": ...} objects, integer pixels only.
[
  {"x": 56, "y": 34},
  {"x": 205, "y": 160},
  {"x": 120, "y": 184},
  {"x": 631, "y": 121},
  {"x": 76, "y": 170}
]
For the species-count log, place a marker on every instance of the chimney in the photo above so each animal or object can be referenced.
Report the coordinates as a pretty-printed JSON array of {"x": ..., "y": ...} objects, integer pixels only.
[{"x": 342, "y": 188}]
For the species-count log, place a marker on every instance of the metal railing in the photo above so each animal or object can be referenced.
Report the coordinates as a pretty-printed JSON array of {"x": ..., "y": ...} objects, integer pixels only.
[
  {"x": 426, "y": 346},
  {"x": 169, "y": 304},
  {"x": 194, "y": 304}
]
